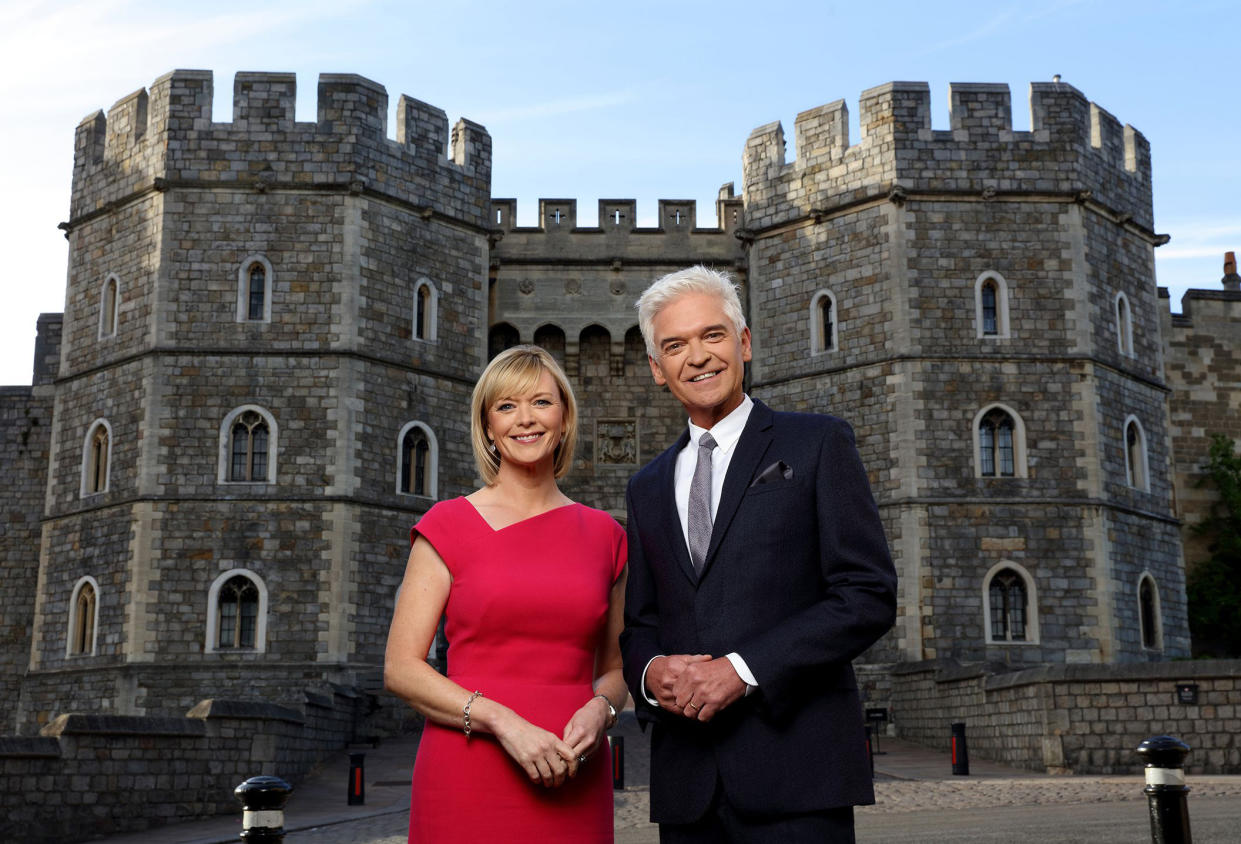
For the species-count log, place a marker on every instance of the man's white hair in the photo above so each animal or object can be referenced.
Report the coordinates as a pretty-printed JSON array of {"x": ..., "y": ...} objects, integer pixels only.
[{"x": 697, "y": 279}]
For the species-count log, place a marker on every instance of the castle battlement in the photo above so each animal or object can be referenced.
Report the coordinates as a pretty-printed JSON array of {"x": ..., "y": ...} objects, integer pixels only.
[
  {"x": 1073, "y": 146},
  {"x": 164, "y": 136},
  {"x": 619, "y": 216},
  {"x": 617, "y": 235}
]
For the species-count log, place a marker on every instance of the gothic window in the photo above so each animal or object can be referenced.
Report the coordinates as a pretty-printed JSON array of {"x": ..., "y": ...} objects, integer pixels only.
[
  {"x": 254, "y": 289},
  {"x": 237, "y": 612},
  {"x": 248, "y": 446},
  {"x": 1007, "y": 595},
  {"x": 1148, "y": 613},
  {"x": 1009, "y": 603},
  {"x": 419, "y": 459},
  {"x": 990, "y": 321},
  {"x": 96, "y": 458},
  {"x": 109, "y": 306},
  {"x": 83, "y": 618},
  {"x": 424, "y": 310},
  {"x": 999, "y": 443},
  {"x": 501, "y": 336},
  {"x": 991, "y": 306},
  {"x": 823, "y": 320},
  {"x": 551, "y": 337},
  {"x": 1124, "y": 325},
  {"x": 1136, "y": 465}
]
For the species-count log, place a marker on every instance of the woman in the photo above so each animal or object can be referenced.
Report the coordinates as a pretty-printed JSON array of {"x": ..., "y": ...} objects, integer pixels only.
[{"x": 531, "y": 586}]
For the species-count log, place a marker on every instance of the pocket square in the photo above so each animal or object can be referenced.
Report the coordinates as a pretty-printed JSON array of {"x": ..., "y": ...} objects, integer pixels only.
[{"x": 775, "y": 472}]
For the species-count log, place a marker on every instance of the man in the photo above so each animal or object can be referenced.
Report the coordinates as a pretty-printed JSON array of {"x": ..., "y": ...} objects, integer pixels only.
[{"x": 758, "y": 569}]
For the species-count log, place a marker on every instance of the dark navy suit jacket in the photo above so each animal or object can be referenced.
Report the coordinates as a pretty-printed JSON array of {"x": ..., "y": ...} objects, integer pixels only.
[{"x": 798, "y": 581}]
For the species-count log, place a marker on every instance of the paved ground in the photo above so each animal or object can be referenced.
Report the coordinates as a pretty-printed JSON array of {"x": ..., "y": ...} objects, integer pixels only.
[{"x": 918, "y": 800}]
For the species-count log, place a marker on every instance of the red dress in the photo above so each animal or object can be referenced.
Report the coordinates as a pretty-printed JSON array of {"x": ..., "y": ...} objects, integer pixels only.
[{"x": 525, "y": 614}]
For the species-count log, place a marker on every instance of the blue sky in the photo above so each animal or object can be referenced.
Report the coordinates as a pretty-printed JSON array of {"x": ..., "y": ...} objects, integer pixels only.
[{"x": 627, "y": 99}]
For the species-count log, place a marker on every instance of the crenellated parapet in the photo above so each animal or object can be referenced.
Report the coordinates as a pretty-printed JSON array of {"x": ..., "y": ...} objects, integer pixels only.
[
  {"x": 1074, "y": 148},
  {"x": 617, "y": 237},
  {"x": 164, "y": 136}
]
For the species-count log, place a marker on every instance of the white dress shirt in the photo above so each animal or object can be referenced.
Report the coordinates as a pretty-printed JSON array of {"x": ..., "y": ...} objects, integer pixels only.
[{"x": 726, "y": 433}]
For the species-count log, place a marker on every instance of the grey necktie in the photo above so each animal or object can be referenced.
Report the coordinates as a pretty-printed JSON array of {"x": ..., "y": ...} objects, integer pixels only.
[{"x": 700, "y": 504}]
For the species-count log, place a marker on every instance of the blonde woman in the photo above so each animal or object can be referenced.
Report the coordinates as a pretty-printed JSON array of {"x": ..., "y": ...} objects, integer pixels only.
[{"x": 531, "y": 586}]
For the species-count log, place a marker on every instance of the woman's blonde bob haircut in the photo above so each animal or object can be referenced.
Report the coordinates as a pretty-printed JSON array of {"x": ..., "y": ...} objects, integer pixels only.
[{"x": 515, "y": 372}]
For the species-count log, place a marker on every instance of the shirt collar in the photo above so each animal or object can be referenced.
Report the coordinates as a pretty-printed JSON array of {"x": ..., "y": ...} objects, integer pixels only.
[{"x": 728, "y": 430}]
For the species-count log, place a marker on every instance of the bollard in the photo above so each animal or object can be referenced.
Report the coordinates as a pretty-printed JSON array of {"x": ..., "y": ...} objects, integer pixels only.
[
  {"x": 1166, "y": 792},
  {"x": 262, "y": 802},
  {"x": 617, "y": 743},
  {"x": 870, "y": 751},
  {"x": 357, "y": 780},
  {"x": 960, "y": 751}
]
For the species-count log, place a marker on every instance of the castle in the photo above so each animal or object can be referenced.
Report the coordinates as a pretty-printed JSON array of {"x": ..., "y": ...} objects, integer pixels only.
[{"x": 272, "y": 327}]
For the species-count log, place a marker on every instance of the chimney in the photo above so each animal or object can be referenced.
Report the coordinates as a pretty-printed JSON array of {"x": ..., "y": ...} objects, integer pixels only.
[{"x": 1231, "y": 280}]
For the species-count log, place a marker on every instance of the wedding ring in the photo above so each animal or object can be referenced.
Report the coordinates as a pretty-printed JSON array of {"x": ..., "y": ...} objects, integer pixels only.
[{"x": 691, "y": 703}]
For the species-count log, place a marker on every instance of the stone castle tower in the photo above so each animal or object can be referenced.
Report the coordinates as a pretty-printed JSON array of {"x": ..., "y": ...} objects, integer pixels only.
[
  {"x": 272, "y": 329},
  {"x": 241, "y": 353}
]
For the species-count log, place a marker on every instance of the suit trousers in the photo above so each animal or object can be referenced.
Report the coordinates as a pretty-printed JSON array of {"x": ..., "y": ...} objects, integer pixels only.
[{"x": 723, "y": 824}]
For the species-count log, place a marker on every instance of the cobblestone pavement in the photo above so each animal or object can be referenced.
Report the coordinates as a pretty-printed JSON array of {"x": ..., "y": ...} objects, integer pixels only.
[{"x": 967, "y": 810}]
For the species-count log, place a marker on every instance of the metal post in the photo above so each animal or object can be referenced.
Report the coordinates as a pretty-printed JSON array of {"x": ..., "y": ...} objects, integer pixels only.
[
  {"x": 1166, "y": 792},
  {"x": 357, "y": 779},
  {"x": 960, "y": 751},
  {"x": 870, "y": 751},
  {"x": 262, "y": 801},
  {"x": 618, "y": 762}
]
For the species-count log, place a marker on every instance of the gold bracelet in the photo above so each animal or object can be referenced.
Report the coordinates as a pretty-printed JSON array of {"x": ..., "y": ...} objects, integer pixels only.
[{"x": 465, "y": 711}]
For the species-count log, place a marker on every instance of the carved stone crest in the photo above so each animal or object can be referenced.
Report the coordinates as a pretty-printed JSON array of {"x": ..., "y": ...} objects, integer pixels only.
[
  {"x": 616, "y": 442},
  {"x": 573, "y": 287},
  {"x": 525, "y": 286}
]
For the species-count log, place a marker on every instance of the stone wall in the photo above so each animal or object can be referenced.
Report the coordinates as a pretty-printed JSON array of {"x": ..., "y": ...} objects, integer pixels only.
[
  {"x": 1073, "y": 719},
  {"x": 89, "y": 775},
  {"x": 1203, "y": 363},
  {"x": 572, "y": 289}
]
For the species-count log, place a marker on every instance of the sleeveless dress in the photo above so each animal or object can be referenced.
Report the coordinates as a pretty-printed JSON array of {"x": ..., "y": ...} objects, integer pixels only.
[{"x": 525, "y": 614}]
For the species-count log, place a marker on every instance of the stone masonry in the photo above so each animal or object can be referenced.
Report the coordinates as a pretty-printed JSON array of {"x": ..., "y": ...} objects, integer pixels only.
[{"x": 354, "y": 229}]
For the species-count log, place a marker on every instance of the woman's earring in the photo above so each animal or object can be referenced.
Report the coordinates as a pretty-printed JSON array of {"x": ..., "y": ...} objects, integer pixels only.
[{"x": 492, "y": 447}]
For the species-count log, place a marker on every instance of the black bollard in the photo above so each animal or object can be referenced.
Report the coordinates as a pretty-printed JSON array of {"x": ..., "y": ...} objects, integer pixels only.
[
  {"x": 1166, "y": 792},
  {"x": 357, "y": 780},
  {"x": 870, "y": 751},
  {"x": 262, "y": 802},
  {"x": 960, "y": 751},
  {"x": 617, "y": 744}
]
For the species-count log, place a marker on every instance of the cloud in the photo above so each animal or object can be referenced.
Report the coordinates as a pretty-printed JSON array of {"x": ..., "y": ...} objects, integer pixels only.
[{"x": 1193, "y": 240}]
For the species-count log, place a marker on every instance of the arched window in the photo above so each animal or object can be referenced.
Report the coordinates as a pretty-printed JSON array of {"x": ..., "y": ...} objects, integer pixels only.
[
  {"x": 109, "y": 306},
  {"x": 551, "y": 337},
  {"x": 254, "y": 288},
  {"x": 237, "y": 612},
  {"x": 823, "y": 320},
  {"x": 594, "y": 351},
  {"x": 1149, "y": 618},
  {"x": 248, "y": 440},
  {"x": 1009, "y": 603},
  {"x": 96, "y": 458},
  {"x": 83, "y": 618},
  {"x": 419, "y": 461},
  {"x": 501, "y": 336},
  {"x": 1136, "y": 465},
  {"x": 991, "y": 306},
  {"x": 1124, "y": 325},
  {"x": 425, "y": 308},
  {"x": 999, "y": 443}
]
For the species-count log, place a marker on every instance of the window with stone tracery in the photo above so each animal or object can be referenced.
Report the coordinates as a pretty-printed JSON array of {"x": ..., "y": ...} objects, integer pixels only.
[
  {"x": 83, "y": 618},
  {"x": 248, "y": 446},
  {"x": 96, "y": 458}
]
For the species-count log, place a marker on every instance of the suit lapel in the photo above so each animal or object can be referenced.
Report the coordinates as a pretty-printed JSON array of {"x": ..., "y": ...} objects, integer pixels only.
[
  {"x": 753, "y": 444},
  {"x": 666, "y": 506}
]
